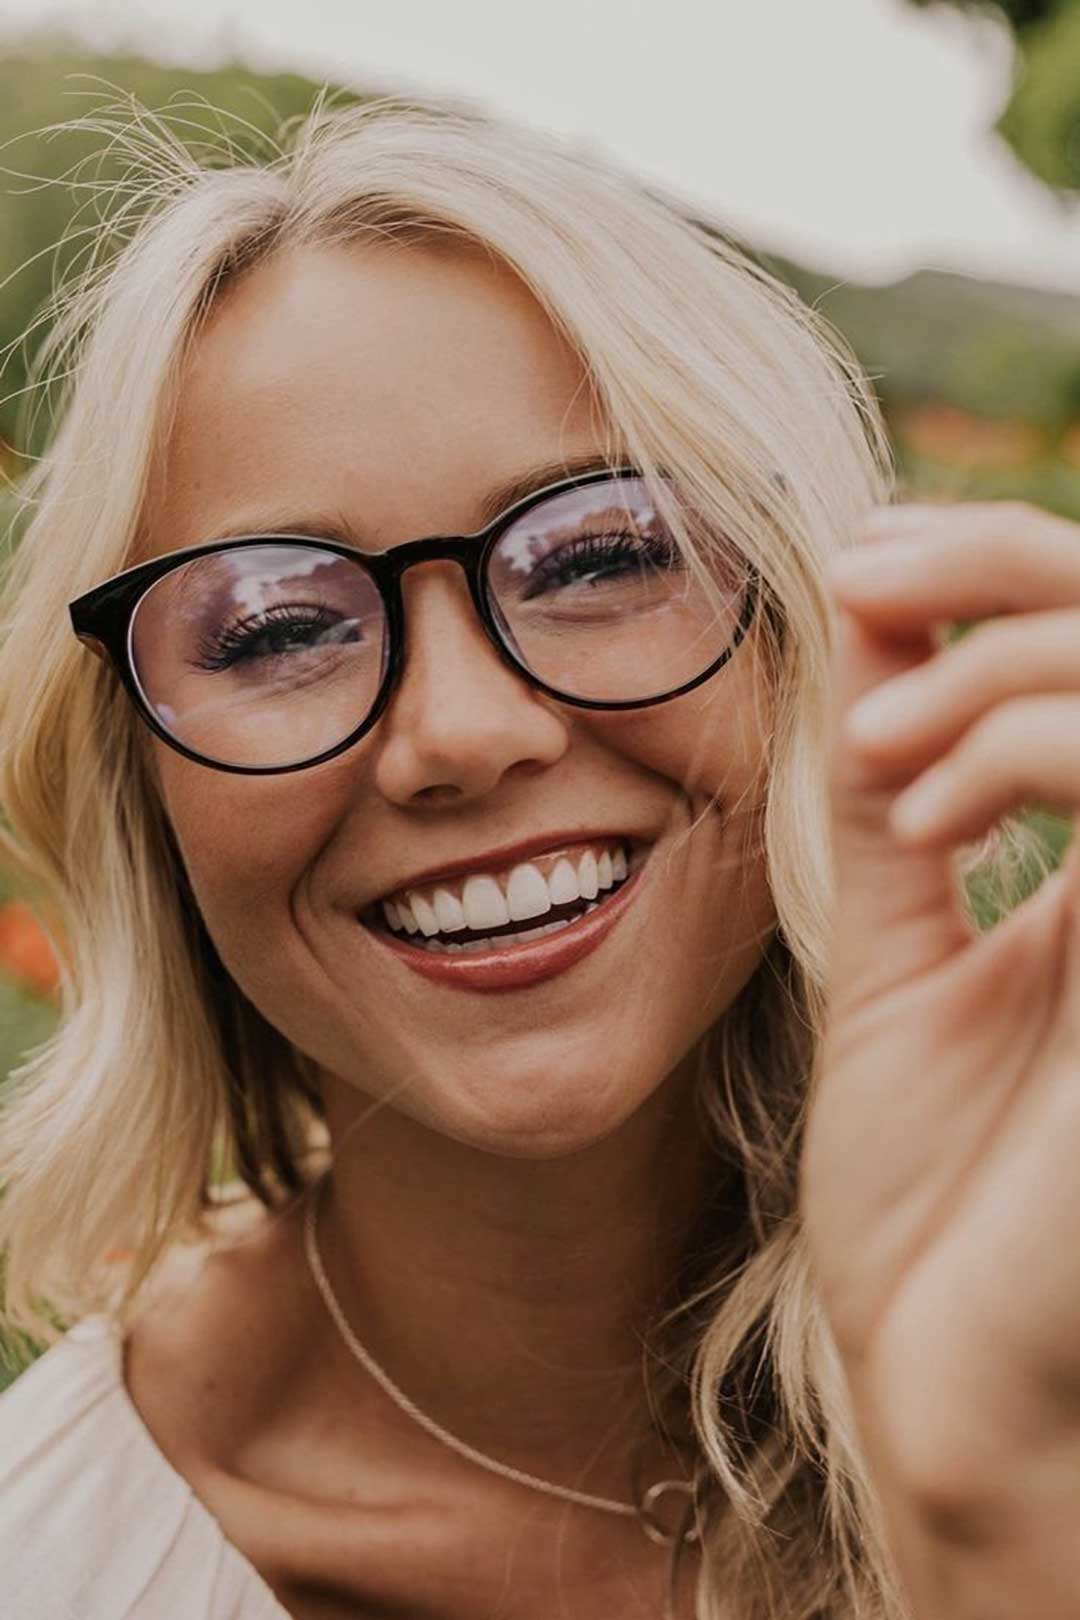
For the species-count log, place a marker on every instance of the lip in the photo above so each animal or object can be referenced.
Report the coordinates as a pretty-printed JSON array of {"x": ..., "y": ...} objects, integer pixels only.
[
  {"x": 517, "y": 966},
  {"x": 492, "y": 860}
]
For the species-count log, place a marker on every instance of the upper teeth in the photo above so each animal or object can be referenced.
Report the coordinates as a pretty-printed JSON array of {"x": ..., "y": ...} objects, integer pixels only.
[{"x": 484, "y": 901}]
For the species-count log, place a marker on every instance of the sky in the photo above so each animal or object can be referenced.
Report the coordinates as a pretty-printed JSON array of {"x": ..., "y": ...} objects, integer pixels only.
[{"x": 852, "y": 134}]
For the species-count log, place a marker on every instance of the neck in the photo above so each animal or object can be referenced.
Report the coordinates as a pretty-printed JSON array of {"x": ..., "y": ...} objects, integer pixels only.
[{"x": 510, "y": 1298}]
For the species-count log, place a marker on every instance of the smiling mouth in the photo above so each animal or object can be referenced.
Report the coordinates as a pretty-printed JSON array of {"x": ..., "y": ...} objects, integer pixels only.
[{"x": 497, "y": 911}]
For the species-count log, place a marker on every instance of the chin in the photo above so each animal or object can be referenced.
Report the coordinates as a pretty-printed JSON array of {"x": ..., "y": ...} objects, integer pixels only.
[{"x": 529, "y": 1117}]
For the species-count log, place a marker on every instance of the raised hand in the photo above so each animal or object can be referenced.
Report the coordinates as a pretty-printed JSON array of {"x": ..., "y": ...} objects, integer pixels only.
[{"x": 941, "y": 1175}]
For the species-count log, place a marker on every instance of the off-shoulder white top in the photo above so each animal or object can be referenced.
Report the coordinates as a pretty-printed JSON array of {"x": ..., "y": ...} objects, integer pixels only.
[{"x": 95, "y": 1523}]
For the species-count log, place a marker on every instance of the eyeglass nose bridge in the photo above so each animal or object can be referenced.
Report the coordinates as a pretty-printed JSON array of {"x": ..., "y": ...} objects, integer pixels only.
[
  {"x": 470, "y": 552},
  {"x": 460, "y": 547}
]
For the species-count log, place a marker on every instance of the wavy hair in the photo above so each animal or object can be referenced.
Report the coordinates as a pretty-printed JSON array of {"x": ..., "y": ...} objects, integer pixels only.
[{"x": 113, "y": 1133}]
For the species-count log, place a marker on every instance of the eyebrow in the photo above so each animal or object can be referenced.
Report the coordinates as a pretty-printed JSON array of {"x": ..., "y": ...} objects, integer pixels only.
[
  {"x": 336, "y": 526},
  {"x": 516, "y": 489}
]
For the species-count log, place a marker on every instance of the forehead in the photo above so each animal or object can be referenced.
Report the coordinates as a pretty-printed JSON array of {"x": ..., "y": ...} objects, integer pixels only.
[{"x": 389, "y": 386}]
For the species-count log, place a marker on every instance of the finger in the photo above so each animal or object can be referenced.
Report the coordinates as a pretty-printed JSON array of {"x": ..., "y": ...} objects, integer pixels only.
[
  {"x": 968, "y": 562},
  {"x": 917, "y": 716},
  {"x": 913, "y": 516},
  {"x": 897, "y": 908},
  {"x": 1022, "y": 752}
]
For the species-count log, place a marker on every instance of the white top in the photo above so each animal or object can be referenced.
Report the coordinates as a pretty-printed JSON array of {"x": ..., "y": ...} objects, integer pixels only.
[{"x": 95, "y": 1523}]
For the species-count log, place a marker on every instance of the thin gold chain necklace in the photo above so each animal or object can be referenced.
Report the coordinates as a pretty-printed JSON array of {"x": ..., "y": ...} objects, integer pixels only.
[{"x": 645, "y": 1512}]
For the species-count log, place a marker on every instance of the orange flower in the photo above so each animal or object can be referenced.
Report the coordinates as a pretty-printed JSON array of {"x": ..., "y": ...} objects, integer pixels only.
[{"x": 25, "y": 952}]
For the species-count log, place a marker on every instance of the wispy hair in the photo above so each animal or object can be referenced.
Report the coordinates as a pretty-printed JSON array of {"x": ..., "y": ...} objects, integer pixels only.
[{"x": 719, "y": 383}]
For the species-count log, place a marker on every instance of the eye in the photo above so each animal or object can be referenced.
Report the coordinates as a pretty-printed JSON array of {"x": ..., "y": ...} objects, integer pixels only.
[
  {"x": 278, "y": 632},
  {"x": 593, "y": 560}
]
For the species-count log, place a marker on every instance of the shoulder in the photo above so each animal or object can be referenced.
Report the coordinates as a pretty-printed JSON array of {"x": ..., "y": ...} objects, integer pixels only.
[
  {"x": 217, "y": 1333},
  {"x": 103, "y": 1435}
]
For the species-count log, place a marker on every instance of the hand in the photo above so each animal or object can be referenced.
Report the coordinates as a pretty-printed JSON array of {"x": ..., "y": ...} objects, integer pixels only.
[{"x": 941, "y": 1174}]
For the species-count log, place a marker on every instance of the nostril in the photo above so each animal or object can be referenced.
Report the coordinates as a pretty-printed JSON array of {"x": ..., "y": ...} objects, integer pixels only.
[{"x": 438, "y": 794}]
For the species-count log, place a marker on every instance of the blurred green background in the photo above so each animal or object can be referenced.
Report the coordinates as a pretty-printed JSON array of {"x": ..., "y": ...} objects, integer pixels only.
[{"x": 980, "y": 381}]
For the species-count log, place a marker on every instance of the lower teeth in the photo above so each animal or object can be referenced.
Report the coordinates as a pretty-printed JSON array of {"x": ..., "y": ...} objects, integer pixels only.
[{"x": 442, "y": 948}]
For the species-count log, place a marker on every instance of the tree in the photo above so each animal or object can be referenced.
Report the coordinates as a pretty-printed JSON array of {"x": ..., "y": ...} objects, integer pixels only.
[
  {"x": 1041, "y": 121},
  {"x": 1020, "y": 14}
]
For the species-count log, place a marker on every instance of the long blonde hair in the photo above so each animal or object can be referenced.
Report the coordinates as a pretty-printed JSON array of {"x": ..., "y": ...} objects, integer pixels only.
[{"x": 708, "y": 368}]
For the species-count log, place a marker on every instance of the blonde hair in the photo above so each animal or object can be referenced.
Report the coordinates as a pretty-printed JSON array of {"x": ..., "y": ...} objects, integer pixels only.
[{"x": 707, "y": 368}]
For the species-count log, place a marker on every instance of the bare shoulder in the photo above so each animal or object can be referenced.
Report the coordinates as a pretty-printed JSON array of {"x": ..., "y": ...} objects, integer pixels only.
[{"x": 218, "y": 1329}]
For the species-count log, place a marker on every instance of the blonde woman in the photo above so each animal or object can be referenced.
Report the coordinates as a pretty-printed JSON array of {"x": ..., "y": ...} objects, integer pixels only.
[{"x": 428, "y": 722}]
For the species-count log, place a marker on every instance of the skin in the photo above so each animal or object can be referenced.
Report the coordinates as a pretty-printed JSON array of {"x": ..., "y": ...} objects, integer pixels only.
[
  {"x": 513, "y": 1173},
  {"x": 944, "y": 1130}
]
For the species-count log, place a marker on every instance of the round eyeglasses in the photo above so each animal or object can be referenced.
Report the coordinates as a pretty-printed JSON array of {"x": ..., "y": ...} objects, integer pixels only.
[{"x": 275, "y": 652}]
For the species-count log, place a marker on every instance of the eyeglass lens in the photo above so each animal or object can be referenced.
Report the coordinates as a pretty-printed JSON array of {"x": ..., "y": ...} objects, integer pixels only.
[{"x": 272, "y": 655}]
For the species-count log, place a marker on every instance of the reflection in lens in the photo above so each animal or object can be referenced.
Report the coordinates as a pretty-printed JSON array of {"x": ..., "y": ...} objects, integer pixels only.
[
  {"x": 596, "y": 599},
  {"x": 262, "y": 655}
]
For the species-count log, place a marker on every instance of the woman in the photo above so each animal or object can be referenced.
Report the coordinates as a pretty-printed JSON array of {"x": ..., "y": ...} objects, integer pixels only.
[{"x": 439, "y": 838}]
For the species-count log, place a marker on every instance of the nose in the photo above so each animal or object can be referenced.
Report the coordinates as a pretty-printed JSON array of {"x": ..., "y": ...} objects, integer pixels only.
[{"x": 460, "y": 719}]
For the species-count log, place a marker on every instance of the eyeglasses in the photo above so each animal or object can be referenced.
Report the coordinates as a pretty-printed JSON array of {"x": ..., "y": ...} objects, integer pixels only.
[{"x": 275, "y": 652}]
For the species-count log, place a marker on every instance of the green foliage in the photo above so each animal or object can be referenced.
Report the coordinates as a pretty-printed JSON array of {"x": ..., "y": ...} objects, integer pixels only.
[
  {"x": 1050, "y": 483},
  {"x": 1019, "y": 14},
  {"x": 1011, "y": 371},
  {"x": 16, "y": 1354},
  {"x": 997, "y": 886},
  {"x": 25, "y": 1021},
  {"x": 46, "y": 224},
  {"x": 1042, "y": 120},
  {"x": 17, "y": 1350},
  {"x": 990, "y": 349}
]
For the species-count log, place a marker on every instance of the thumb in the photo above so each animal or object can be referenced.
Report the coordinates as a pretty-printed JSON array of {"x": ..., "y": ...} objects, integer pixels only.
[{"x": 897, "y": 910}]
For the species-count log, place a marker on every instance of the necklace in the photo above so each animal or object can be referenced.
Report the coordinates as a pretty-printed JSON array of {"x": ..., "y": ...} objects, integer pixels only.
[{"x": 645, "y": 1512}]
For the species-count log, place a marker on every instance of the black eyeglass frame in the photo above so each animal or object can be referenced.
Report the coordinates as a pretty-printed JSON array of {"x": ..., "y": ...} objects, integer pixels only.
[{"x": 101, "y": 618}]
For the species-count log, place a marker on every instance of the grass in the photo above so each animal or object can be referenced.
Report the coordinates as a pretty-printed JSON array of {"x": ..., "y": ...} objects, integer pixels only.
[{"x": 25, "y": 1021}]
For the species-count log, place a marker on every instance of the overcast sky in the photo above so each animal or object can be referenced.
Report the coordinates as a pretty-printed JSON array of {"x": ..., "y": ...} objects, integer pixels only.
[{"x": 850, "y": 133}]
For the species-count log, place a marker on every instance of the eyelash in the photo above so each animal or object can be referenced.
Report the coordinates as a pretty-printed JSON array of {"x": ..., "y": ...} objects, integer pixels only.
[
  {"x": 596, "y": 549},
  {"x": 233, "y": 642}
]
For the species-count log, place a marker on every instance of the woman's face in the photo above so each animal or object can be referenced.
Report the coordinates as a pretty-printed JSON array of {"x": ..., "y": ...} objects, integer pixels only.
[{"x": 391, "y": 392}]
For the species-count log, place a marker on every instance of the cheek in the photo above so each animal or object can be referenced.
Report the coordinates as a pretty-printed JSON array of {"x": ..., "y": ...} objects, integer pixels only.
[
  {"x": 246, "y": 842},
  {"x": 712, "y": 742}
]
